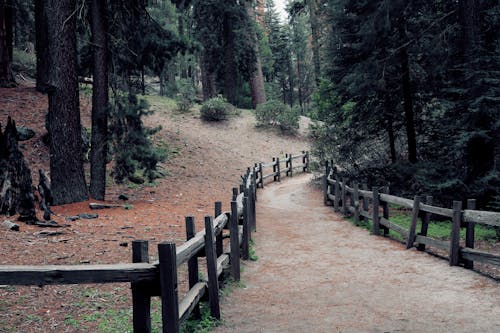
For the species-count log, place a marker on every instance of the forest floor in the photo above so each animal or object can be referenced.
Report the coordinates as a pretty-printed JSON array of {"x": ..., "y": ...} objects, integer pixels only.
[{"x": 205, "y": 162}]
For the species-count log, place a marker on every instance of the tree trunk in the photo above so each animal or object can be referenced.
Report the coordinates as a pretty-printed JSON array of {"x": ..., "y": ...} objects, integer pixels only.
[
  {"x": 99, "y": 139},
  {"x": 408, "y": 100},
  {"x": 315, "y": 36},
  {"x": 207, "y": 77},
  {"x": 16, "y": 187},
  {"x": 6, "y": 75},
  {"x": 257, "y": 79},
  {"x": 41, "y": 45},
  {"x": 230, "y": 70},
  {"x": 66, "y": 160}
]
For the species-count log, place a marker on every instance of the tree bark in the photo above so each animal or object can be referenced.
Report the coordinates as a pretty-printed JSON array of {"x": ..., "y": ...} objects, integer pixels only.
[
  {"x": 66, "y": 160},
  {"x": 41, "y": 46},
  {"x": 230, "y": 70},
  {"x": 207, "y": 77},
  {"x": 257, "y": 79},
  {"x": 16, "y": 187},
  {"x": 6, "y": 75},
  {"x": 315, "y": 36},
  {"x": 408, "y": 99},
  {"x": 99, "y": 139}
]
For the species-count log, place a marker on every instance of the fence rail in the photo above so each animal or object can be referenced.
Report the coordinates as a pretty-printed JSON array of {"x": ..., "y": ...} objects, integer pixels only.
[
  {"x": 350, "y": 200},
  {"x": 160, "y": 278}
]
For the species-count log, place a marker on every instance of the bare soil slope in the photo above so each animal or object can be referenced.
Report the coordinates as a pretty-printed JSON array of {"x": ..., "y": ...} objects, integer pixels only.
[{"x": 318, "y": 273}]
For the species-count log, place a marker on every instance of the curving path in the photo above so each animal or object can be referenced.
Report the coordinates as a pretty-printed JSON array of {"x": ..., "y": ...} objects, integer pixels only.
[{"x": 318, "y": 273}]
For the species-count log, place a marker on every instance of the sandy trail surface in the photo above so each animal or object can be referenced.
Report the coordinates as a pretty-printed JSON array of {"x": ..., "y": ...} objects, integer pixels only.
[{"x": 318, "y": 273}]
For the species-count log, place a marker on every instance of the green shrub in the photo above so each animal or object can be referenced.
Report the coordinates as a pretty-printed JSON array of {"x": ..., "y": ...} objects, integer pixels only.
[
  {"x": 131, "y": 140},
  {"x": 276, "y": 113},
  {"x": 216, "y": 109},
  {"x": 24, "y": 62},
  {"x": 185, "y": 96}
]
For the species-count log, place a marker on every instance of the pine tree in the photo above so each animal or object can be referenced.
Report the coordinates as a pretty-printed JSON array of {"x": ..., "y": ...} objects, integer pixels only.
[{"x": 6, "y": 40}]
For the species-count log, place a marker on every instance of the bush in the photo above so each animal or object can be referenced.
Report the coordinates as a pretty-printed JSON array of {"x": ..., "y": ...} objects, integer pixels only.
[
  {"x": 131, "y": 140},
  {"x": 276, "y": 113},
  {"x": 185, "y": 96},
  {"x": 216, "y": 109}
]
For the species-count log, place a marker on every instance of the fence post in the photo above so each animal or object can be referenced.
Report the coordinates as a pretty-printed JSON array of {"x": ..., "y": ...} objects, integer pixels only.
[
  {"x": 455, "y": 233},
  {"x": 218, "y": 239},
  {"x": 168, "y": 281},
  {"x": 235, "y": 193},
  {"x": 193, "y": 270},
  {"x": 245, "y": 251},
  {"x": 470, "y": 233},
  {"x": 355, "y": 201},
  {"x": 425, "y": 222},
  {"x": 278, "y": 168},
  {"x": 344, "y": 197},
  {"x": 325, "y": 184},
  {"x": 234, "y": 242},
  {"x": 254, "y": 182},
  {"x": 365, "y": 201},
  {"x": 141, "y": 298},
  {"x": 413, "y": 225},
  {"x": 275, "y": 177},
  {"x": 291, "y": 165},
  {"x": 261, "y": 169},
  {"x": 385, "y": 208},
  {"x": 305, "y": 161},
  {"x": 213, "y": 280},
  {"x": 376, "y": 203},
  {"x": 336, "y": 189}
]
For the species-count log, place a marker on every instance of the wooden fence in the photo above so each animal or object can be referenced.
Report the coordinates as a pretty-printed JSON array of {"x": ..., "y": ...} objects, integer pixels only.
[
  {"x": 160, "y": 278},
  {"x": 356, "y": 201}
]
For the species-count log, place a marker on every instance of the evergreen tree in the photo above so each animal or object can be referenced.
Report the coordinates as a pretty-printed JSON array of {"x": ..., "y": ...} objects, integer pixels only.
[
  {"x": 6, "y": 44},
  {"x": 66, "y": 161}
]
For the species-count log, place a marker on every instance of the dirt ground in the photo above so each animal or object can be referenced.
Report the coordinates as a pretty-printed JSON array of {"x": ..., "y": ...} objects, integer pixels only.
[
  {"x": 318, "y": 273},
  {"x": 206, "y": 162}
]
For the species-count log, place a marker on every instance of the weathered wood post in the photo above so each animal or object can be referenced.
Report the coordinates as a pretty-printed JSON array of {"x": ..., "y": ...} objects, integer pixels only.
[
  {"x": 287, "y": 164},
  {"x": 141, "y": 296},
  {"x": 218, "y": 239},
  {"x": 470, "y": 234},
  {"x": 413, "y": 224},
  {"x": 326, "y": 186},
  {"x": 336, "y": 189},
  {"x": 167, "y": 256},
  {"x": 278, "y": 169},
  {"x": 192, "y": 264},
  {"x": 254, "y": 182},
  {"x": 291, "y": 164},
  {"x": 275, "y": 177},
  {"x": 345, "y": 208},
  {"x": 245, "y": 248},
  {"x": 261, "y": 170},
  {"x": 455, "y": 233},
  {"x": 365, "y": 202},
  {"x": 235, "y": 193},
  {"x": 355, "y": 202},
  {"x": 251, "y": 209},
  {"x": 234, "y": 242},
  {"x": 385, "y": 209},
  {"x": 426, "y": 217},
  {"x": 305, "y": 161},
  {"x": 376, "y": 204},
  {"x": 213, "y": 280}
]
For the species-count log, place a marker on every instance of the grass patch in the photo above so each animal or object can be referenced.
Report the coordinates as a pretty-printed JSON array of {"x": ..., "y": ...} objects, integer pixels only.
[
  {"x": 200, "y": 325},
  {"x": 437, "y": 229},
  {"x": 251, "y": 252}
]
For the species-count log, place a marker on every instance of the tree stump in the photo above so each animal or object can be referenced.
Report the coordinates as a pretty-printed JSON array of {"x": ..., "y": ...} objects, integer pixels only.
[{"x": 16, "y": 186}]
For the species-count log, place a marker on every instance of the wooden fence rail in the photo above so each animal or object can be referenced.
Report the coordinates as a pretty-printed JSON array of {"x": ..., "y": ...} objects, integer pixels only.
[
  {"x": 160, "y": 278},
  {"x": 337, "y": 193}
]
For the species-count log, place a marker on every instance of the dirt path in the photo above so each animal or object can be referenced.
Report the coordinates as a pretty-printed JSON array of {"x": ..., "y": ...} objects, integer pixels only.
[{"x": 318, "y": 273}]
